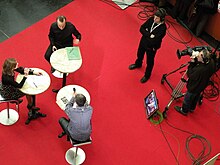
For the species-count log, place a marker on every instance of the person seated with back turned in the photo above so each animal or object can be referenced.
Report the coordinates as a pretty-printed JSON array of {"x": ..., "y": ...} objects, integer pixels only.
[
  {"x": 153, "y": 31},
  {"x": 78, "y": 127},
  {"x": 10, "y": 88},
  {"x": 200, "y": 69},
  {"x": 61, "y": 36}
]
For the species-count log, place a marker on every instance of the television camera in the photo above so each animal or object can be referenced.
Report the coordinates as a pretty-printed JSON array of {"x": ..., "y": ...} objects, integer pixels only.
[
  {"x": 189, "y": 51},
  {"x": 193, "y": 52}
]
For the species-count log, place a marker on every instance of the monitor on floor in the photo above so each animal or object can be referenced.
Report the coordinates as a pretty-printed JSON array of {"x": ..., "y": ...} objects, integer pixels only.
[{"x": 151, "y": 103}]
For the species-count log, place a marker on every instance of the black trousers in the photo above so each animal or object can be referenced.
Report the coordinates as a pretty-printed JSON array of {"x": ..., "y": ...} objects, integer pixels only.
[
  {"x": 64, "y": 125},
  {"x": 198, "y": 22},
  {"x": 181, "y": 8},
  {"x": 190, "y": 101},
  {"x": 50, "y": 51},
  {"x": 150, "y": 59}
]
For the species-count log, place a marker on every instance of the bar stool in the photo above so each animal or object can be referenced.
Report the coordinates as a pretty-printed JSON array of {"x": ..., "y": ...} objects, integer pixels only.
[
  {"x": 9, "y": 116},
  {"x": 76, "y": 155}
]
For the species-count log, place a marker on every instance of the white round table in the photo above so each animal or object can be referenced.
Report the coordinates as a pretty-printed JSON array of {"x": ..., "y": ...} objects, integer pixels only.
[
  {"x": 62, "y": 61},
  {"x": 66, "y": 93},
  {"x": 35, "y": 85}
]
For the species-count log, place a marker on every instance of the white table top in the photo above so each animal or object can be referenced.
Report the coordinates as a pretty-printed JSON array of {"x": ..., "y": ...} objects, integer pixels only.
[
  {"x": 59, "y": 61},
  {"x": 35, "y": 84},
  {"x": 66, "y": 93}
]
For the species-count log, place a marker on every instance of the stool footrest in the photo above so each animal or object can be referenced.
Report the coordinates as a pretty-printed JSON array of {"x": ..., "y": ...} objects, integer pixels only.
[{"x": 75, "y": 144}]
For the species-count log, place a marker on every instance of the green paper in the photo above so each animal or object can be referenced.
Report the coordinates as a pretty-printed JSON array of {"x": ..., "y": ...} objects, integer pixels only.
[{"x": 73, "y": 53}]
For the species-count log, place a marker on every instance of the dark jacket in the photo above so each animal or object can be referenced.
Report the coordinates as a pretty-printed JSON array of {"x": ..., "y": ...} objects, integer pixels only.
[
  {"x": 63, "y": 38},
  {"x": 10, "y": 79},
  {"x": 159, "y": 32},
  {"x": 199, "y": 75}
]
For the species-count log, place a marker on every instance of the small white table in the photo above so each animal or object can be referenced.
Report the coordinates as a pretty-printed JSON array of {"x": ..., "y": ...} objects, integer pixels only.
[
  {"x": 66, "y": 93},
  {"x": 61, "y": 62},
  {"x": 35, "y": 85}
]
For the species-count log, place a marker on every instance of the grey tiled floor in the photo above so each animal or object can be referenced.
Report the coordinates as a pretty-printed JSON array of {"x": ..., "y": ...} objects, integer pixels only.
[{"x": 17, "y": 15}]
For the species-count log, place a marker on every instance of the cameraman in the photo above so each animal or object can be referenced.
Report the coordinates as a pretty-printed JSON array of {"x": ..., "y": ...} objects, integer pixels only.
[{"x": 200, "y": 69}]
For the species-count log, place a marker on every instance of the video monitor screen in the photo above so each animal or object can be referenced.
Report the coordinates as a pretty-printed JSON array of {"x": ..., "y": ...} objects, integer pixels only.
[{"x": 151, "y": 104}]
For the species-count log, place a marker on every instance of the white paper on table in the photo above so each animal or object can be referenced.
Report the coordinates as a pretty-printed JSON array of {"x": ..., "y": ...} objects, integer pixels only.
[
  {"x": 35, "y": 81},
  {"x": 30, "y": 82}
]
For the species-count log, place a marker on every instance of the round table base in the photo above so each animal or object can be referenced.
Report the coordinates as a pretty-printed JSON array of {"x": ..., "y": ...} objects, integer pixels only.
[
  {"x": 79, "y": 158},
  {"x": 58, "y": 74},
  {"x": 13, "y": 117}
]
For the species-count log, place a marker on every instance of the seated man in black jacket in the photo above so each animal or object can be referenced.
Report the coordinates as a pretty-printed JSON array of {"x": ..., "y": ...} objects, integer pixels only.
[
  {"x": 199, "y": 73},
  {"x": 61, "y": 36}
]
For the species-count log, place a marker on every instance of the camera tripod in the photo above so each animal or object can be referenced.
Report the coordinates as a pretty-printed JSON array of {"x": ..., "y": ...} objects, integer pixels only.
[{"x": 176, "y": 91}]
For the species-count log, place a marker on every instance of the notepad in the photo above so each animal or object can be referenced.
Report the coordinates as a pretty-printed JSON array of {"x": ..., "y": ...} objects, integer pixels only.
[{"x": 73, "y": 53}]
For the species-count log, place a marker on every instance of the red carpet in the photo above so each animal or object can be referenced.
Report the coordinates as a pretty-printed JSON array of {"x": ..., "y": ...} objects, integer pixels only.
[{"x": 121, "y": 133}]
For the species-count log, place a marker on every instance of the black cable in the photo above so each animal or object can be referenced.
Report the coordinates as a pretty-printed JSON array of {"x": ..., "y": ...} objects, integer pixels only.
[
  {"x": 202, "y": 155},
  {"x": 147, "y": 10},
  {"x": 211, "y": 92},
  {"x": 181, "y": 40},
  {"x": 168, "y": 144},
  {"x": 205, "y": 143}
]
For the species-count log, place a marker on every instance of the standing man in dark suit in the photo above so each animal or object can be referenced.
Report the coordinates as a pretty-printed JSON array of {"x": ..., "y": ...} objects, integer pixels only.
[
  {"x": 61, "y": 36},
  {"x": 153, "y": 31}
]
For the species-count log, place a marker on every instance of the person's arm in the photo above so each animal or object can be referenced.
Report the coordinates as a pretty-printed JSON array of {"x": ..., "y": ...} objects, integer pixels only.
[
  {"x": 145, "y": 29},
  {"x": 51, "y": 35},
  {"x": 9, "y": 80},
  {"x": 158, "y": 34},
  {"x": 76, "y": 33},
  {"x": 27, "y": 71},
  {"x": 69, "y": 106},
  {"x": 192, "y": 70}
]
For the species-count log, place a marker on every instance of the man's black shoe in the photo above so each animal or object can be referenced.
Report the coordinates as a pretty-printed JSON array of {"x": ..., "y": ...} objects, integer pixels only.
[
  {"x": 144, "y": 79},
  {"x": 180, "y": 110},
  {"x": 61, "y": 135},
  {"x": 133, "y": 66},
  {"x": 191, "y": 110},
  {"x": 41, "y": 114}
]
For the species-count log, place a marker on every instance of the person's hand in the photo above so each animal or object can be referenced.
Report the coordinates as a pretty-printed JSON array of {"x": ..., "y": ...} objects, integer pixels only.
[
  {"x": 152, "y": 36},
  {"x": 54, "y": 48},
  {"x": 76, "y": 41},
  {"x": 192, "y": 59},
  {"x": 26, "y": 71},
  {"x": 38, "y": 73}
]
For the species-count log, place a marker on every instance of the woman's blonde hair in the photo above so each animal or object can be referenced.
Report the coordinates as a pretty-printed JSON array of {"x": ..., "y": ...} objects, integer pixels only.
[{"x": 8, "y": 66}]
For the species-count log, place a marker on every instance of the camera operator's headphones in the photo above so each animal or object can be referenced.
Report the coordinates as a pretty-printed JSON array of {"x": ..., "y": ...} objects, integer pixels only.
[
  {"x": 206, "y": 55},
  {"x": 161, "y": 12}
]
